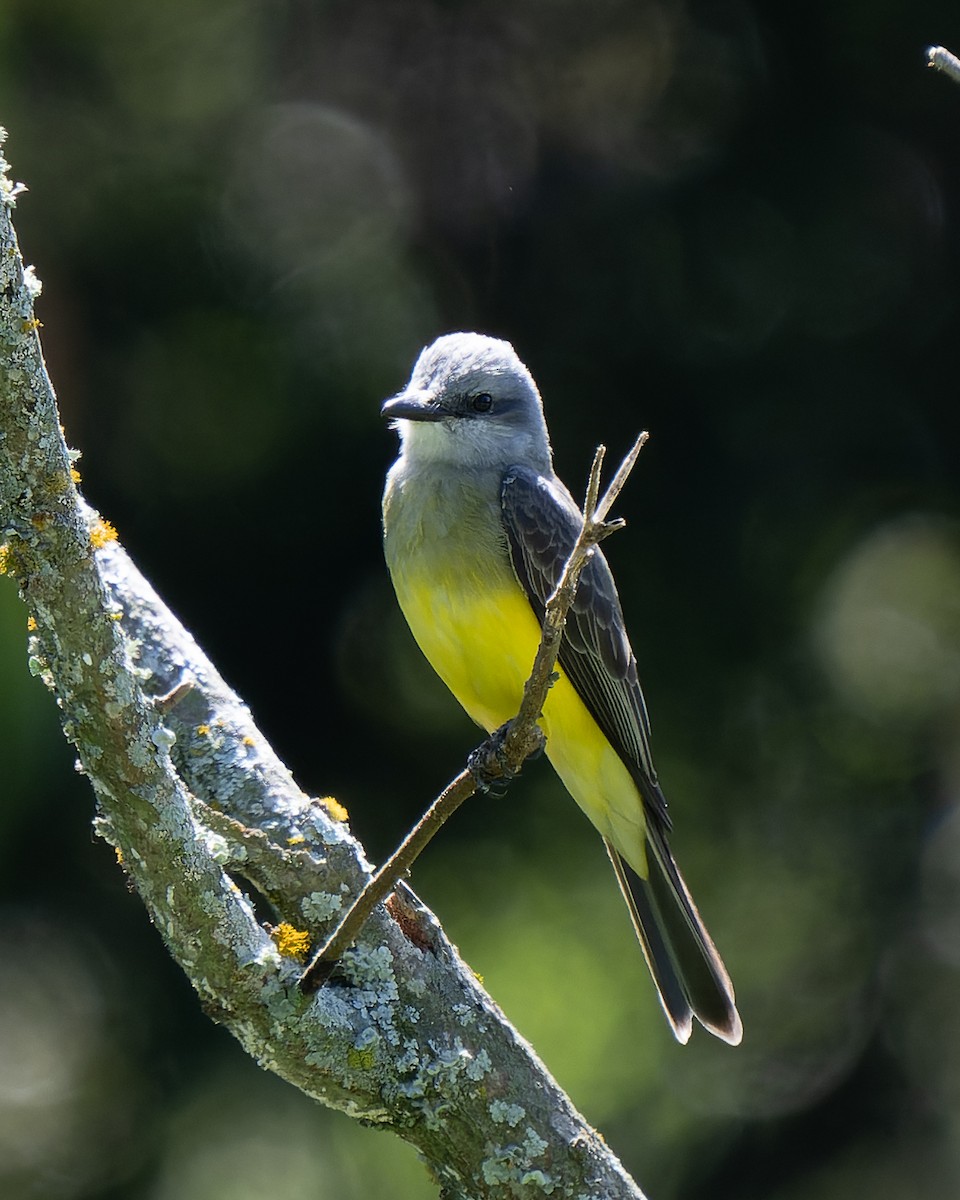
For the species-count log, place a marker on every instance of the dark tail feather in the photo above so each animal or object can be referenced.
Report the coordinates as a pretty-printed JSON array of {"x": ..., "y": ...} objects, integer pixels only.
[{"x": 690, "y": 977}]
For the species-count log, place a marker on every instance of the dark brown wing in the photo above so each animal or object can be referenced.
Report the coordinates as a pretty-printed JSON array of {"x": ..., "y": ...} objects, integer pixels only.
[{"x": 541, "y": 523}]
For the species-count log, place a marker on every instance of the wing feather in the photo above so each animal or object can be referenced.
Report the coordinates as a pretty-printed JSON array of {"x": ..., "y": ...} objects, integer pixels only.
[{"x": 541, "y": 522}]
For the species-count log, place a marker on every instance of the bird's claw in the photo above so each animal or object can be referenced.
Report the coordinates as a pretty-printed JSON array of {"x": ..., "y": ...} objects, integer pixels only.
[
  {"x": 489, "y": 766},
  {"x": 492, "y": 767}
]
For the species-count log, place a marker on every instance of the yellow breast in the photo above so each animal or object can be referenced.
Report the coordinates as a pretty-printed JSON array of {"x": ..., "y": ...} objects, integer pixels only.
[{"x": 471, "y": 619}]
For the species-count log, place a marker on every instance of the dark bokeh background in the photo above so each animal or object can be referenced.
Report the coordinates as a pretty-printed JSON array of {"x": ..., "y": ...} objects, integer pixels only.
[{"x": 731, "y": 224}]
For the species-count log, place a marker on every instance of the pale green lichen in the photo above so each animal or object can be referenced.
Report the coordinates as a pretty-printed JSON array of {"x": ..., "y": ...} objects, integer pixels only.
[
  {"x": 465, "y": 1014},
  {"x": 409, "y": 1060},
  {"x": 319, "y": 907},
  {"x": 33, "y": 285},
  {"x": 510, "y": 1165},
  {"x": 479, "y": 1067},
  {"x": 539, "y": 1179},
  {"x": 368, "y": 965},
  {"x": 9, "y": 191},
  {"x": 497, "y": 1167},
  {"x": 329, "y": 832},
  {"x": 333, "y": 1015},
  {"x": 439, "y": 1078},
  {"x": 163, "y": 738},
  {"x": 370, "y": 1005},
  {"x": 533, "y": 1143},
  {"x": 506, "y": 1114},
  {"x": 216, "y": 845},
  {"x": 282, "y": 1003},
  {"x": 449, "y": 1062}
]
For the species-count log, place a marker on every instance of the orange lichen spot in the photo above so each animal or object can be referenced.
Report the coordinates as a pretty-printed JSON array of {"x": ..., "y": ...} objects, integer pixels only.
[
  {"x": 203, "y": 730},
  {"x": 292, "y": 943},
  {"x": 31, "y": 624},
  {"x": 334, "y": 808},
  {"x": 102, "y": 533},
  {"x": 248, "y": 741}
]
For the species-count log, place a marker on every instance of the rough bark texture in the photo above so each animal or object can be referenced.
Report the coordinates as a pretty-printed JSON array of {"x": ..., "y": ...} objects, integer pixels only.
[{"x": 196, "y": 803}]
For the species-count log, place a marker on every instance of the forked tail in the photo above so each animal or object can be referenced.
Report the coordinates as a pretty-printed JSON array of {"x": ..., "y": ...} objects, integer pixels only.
[{"x": 689, "y": 974}]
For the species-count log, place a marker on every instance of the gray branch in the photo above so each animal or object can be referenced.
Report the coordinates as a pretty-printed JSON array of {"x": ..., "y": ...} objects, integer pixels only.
[
  {"x": 196, "y": 803},
  {"x": 941, "y": 59}
]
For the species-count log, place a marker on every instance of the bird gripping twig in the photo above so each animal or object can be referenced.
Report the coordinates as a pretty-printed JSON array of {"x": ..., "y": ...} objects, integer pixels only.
[{"x": 502, "y": 755}]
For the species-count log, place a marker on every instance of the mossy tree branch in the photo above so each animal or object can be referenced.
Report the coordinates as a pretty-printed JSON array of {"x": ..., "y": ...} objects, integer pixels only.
[
  {"x": 196, "y": 802},
  {"x": 942, "y": 60}
]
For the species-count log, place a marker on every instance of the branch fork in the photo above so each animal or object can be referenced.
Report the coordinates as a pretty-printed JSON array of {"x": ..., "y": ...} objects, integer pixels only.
[{"x": 412, "y": 1043}]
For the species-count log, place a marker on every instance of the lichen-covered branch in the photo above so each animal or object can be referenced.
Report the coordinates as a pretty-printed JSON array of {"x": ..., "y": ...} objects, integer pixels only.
[
  {"x": 942, "y": 60},
  {"x": 196, "y": 803}
]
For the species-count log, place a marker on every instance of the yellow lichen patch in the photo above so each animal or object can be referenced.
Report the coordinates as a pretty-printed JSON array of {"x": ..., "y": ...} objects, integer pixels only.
[
  {"x": 102, "y": 533},
  {"x": 292, "y": 943},
  {"x": 362, "y": 1060},
  {"x": 203, "y": 730},
  {"x": 248, "y": 741},
  {"x": 119, "y": 854},
  {"x": 75, "y": 475},
  {"x": 334, "y": 808},
  {"x": 31, "y": 325},
  {"x": 297, "y": 840},
  {"x": 4, "y": 559},
  {"x": 31, "y": 624}
]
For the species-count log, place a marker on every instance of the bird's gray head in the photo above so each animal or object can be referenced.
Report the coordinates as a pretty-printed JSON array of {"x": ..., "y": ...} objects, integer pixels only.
[{"x": 471, "y": 402}]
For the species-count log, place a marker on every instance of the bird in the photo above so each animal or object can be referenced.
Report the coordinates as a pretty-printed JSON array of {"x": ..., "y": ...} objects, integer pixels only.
[{"x": 477, "y": 528}]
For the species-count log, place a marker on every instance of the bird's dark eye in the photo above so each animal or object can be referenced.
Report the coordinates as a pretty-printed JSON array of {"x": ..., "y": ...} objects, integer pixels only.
[{"x": 482, "y": 403}]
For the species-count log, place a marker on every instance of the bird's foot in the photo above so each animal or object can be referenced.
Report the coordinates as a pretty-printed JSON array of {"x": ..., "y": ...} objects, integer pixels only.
[
  {"x": 495, "y": 763},
  {"x": 489, "y": 765}
]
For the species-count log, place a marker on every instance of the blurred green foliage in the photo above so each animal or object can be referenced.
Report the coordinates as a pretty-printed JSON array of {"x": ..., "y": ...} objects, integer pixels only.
[{"x": 731, "y": 224}]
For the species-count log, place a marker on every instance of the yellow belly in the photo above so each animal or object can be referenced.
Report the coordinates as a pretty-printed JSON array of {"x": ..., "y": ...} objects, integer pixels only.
[{"x": 481, "y": 638}]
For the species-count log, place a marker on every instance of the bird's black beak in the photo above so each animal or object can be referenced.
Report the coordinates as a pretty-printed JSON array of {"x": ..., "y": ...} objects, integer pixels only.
[{"x": 413, "y": 406}]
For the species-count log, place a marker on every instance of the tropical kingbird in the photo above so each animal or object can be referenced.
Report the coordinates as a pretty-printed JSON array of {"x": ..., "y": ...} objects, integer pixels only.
[{"x": 477, "y": 529}]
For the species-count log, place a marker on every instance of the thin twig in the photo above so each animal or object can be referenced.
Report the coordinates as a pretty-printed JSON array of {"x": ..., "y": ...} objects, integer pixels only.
[
  {"x": 383, "y": 882},
  {"x": 942, "y": 60},
  {"x": 593, "y": 483},
  {"x": 619, "y": 480},
  {"x": 504, "y": 752}
]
